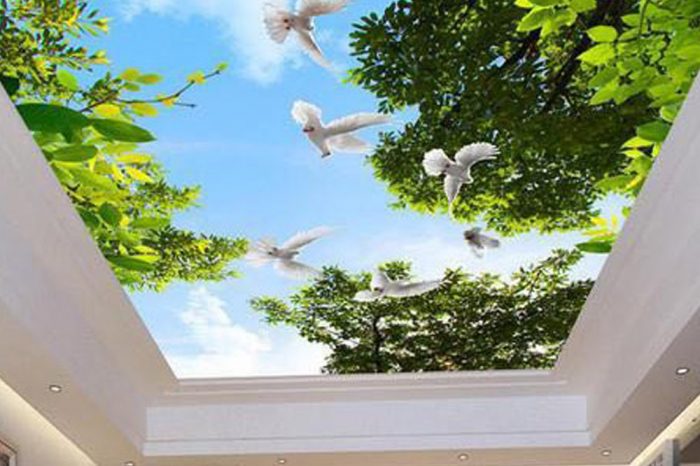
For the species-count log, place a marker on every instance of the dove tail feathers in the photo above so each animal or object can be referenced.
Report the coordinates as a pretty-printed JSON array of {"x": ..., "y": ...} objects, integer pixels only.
[
  {"x": 278, "y": 22},
  {"x": 436, "y": 162}
]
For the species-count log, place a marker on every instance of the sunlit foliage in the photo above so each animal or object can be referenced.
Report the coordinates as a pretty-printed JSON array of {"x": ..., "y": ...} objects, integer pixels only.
[
  {"x": 84, "y": 122},
  {"x": 470, "y": 323},
  {"x": 652, "y": 49},
  {"x": 559, "y": 85}
]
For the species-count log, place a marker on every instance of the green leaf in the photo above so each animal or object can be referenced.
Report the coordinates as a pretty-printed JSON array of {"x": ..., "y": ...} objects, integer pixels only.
[
  {"x": 131, "y": 263},
  {"x": 670, "y": 112},
  {"x": 107, "y": 110},
  {"x": 602, "y": 34},
  {"x": 149, "y": 79},
  {"x": 603, "y": 77},
  {"x": 642, "y": 165},
  {"x": 144, "y": 109},
  {"x": 52, "y": 118},
  {"x": 598, "y": 55},
  {"x": 606, "y": 93},
  {"x": 138, "y": 175},
  {"x": 632, "y": 64},
  {"x": 547, "y": 3},
  {"x": 637, "y": 142},
  {"x": 656, "y": 131},
  {"x": 198, "y": 77},
  {"x": 11, "y": 85},
  {"x": 595, "y": 247},
  {"x": 580, "y": 6},
  {"x": 221, "y": 67},
  {"x": 632, "y": 20},
  {"x": 75, "y": 153},
  {"x": 130, "y": 74},
  {"x": 91, "y": 220},
  {"x": 614, "y": 183},
  {"x": 135, "y": 159},
  {"x": 121, "y": 131},
  {"x": 110, "y": 214},
  {"x": 150, "y": 223},
  {"x": 93, "y": 180},
  {"x": 534, "y": 19},
  {"x": 690, "y": 53},
  {"x": 67, "y": 80}
]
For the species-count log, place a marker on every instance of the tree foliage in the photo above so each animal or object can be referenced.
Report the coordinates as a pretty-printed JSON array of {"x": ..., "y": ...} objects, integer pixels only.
[
  {"x": 653, "y": 51},
  {"x": 84, "y": 123},
  {"x": 470, "y": 323},
  {"x": 492, "y": 70}
]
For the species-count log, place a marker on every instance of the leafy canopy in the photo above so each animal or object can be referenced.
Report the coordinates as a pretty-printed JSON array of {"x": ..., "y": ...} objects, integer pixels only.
[
  {"x": 652, "y": 51},
  {"x": 470, "y": 323},
  {"x": 474, "y": 77},
  {"x": 85, "y": 124}
]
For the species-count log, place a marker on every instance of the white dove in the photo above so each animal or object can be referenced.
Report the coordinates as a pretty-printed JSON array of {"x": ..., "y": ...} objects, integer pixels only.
[
  {"x": 479, "y": 242},
  {"x": 458, "y": 172},
  {"x": 280, "y": 22},
  {"x": 383, "y": 287},
  {"x": 336, "y": 135},
  {"x": 265, "y": 251}
]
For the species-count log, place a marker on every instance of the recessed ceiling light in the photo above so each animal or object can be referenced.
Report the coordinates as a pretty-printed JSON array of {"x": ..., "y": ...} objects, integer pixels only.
[
  {"x": 682, "y": 371},
  {"x": 53, "y": 388},
  {"x": 129, "y": 463},
  {"x": 463, "y": 457},
  {"x": 606, "y": 452},
  {"x": 281, "y": 460}
]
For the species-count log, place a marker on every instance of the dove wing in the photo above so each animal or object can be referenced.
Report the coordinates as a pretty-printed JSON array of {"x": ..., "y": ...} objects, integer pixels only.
[
  {"x": 349, "y": 143},
  {"x": 303, "y": 238},
  {"x": 414, "y": 289},
  {"x": 475, "y": 153},
  {"x": 294, "y": 269},
  {"x": 477, "y": 249},
  {"x": 304, "y": 112},
  {"x": 489, "y": 242},
  {"x": 274, "y": 18},
  {"x": 310, "y": 46},
  {"x": 380, "y": 280},
  {"x": 452, "y": 187},
  {"x": 367, "y": 296},
  {"x": 436, "y": 162},
  {"x": 354, "y": 122},
  {"x": 320, "y": 7}
]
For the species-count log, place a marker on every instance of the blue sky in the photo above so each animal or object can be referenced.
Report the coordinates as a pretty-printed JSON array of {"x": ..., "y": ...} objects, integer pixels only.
[{"x": 260, "y": 177}]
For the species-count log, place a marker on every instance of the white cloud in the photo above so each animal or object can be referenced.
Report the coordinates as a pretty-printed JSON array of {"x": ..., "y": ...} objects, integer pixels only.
[
  {"x": 240, "y": 22},
  {"x": 220, "y": 348}
]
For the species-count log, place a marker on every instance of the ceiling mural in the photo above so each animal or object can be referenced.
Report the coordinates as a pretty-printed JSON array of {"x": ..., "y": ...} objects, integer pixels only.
[{"x": 346, "y": 186}]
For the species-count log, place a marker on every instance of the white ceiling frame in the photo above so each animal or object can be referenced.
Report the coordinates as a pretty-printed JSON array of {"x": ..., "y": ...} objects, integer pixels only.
[{"x": 66, "y": 320}]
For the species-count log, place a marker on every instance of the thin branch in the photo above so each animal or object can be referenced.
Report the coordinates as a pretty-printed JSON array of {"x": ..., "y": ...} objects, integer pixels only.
[
  {"x": 171, "y": 97},
  {"x": 566, "y": 72}
]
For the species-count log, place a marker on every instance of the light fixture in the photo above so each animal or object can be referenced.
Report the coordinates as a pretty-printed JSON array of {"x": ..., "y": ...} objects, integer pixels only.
[
  {"x": 606, "y": 452},
  {"x": 463, "y": 457},
  {"x": 682, "y": 371},
  {"x": 53, "y": 388},
  {"x": 281, "y": 460},
  {"x": 129, "y": 463}
]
